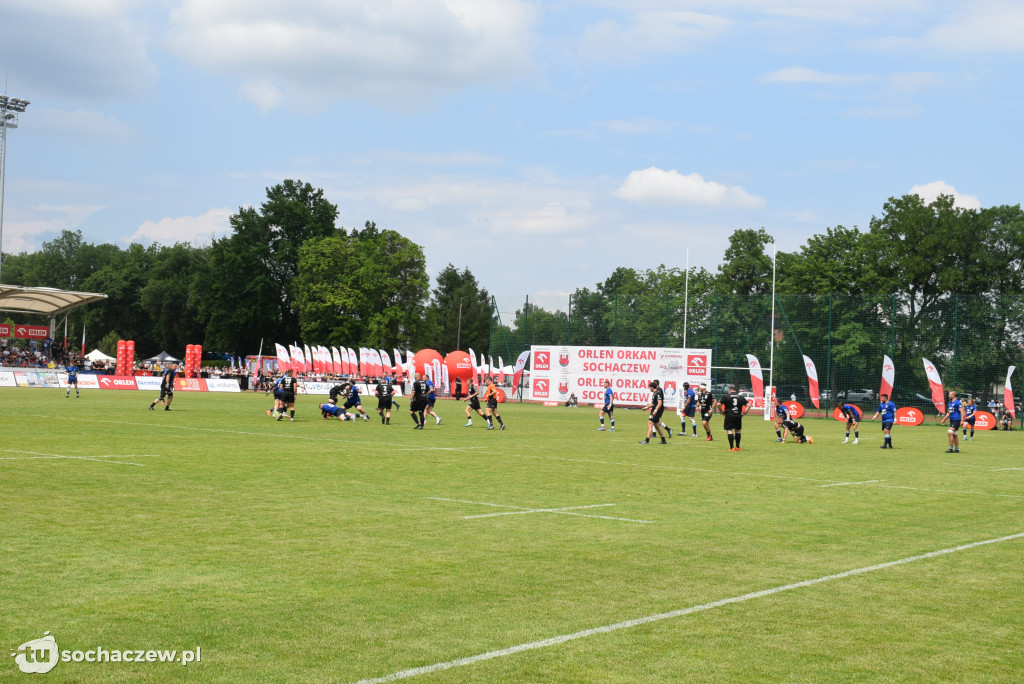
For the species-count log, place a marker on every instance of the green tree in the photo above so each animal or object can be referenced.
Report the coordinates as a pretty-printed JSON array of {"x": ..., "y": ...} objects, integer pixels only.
[
  {"x": 366, "y": 288},
  {"x": 459, "y": 314},
  {"x": 169, "y": 297}
]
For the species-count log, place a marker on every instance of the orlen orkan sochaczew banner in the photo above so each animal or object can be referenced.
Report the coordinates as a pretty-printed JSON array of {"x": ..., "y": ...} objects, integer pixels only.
[{"x": 555, "y": 372}]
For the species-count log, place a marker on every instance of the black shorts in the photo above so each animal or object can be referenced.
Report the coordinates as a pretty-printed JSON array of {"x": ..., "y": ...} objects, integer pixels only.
[
  {"x": 165, "y": 392},
  {"x": 474, "y": 404},
  {"x": 384, "y": 404},
  {"x": 655, "y": 416},
  {"x": 852, "y": 421},
  {"x": 492, "y": 404},
  {"x": 288, "y": 397},
  {"x": 690, "y": 411},
  {"x": 887, "y": 425},
  {"x": 955, "y": 424},
  {"x": 416, "y": 405},
  {"x": 732, "y": 423},
  {"x": 706, "y": 417},
  {"x": 608, "y": 408},
  {"x": 970, "y": 421}
]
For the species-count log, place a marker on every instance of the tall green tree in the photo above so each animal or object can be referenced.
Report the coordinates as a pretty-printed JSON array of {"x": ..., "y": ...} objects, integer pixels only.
[
  {"x": 459, "y": 314},
  {"x": 368, "y": 287}
]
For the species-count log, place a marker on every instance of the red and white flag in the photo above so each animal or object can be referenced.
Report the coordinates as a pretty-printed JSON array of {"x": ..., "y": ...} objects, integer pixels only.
[
  {"x": 756, "y": 379},
  {"x": 410, "y": 365},
  {"x": 1008, "y": 404},
  {"x": 308, "y": 358},
  {"x": 398, "y": 365},
  {"x": 812, "y": 381},
  {"x": 517, "y": 371},
  {"x": 888, "y": 376},
  {"x": 437, "y": 372},
  {"x": 938, "y": 396},
  {"x": 83, "y": 339},
  {"x": 388, "y": 370},
  {"x": 296, "y": 359},
  {"x": 335, "y": 361},
  {"x": 378, "y": 363},
  {"x": 283, "y": 359},
  {"x": 353, "y": 362},
  {"x": 472, "y": 361}
]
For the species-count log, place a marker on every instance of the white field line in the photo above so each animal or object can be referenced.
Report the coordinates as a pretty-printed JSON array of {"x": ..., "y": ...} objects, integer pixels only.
[
  {"x": 777, "y": 477},
  {"x": 845, "y": 484},
  {"x": 536, "y": 510},
  {"x": 277, "y": 435},
  {"x": 36, "y": 456},
  {"x": 521, "y": 510},
  {"x": 947, "y": 491},
  {"x": 999, "y": 470},
  {"x": 966, "y": 465},
  {"x": 636, "y": 622}
]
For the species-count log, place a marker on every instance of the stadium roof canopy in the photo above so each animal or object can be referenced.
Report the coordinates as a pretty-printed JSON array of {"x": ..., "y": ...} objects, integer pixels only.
[{"x": 47, "y": 301}]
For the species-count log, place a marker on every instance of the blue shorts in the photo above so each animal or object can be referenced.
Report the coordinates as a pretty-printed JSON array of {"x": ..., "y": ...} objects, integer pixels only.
[
  {"x": 887, "y": 425},
  {"x": 352, "y": 401},
  {"x": 431, "y": 400},
  {"x": 955, "y": 424},
  {"x": 970, "y": 421},
  {"x": 690, "y": 411}
]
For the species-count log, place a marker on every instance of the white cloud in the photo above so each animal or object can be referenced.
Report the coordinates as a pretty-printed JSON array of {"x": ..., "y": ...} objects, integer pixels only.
[
  {"x": 194, "y": 229},
  {"x": 398, "y": 51},
  {"x": 24, "y": 230},
  {"x": 657, "y": 186},
  {"x": 637, "y": 125},
  {"x": 929, "y": 192},
  {"x": 81, "y": 51},
  {"x": 805, "y": 75},
  {"x": 265, "y": 96},
  {"x": 652, "y": 32},
  {"x": 981, "y": 27},
  {"x": 82, "y": 124}
]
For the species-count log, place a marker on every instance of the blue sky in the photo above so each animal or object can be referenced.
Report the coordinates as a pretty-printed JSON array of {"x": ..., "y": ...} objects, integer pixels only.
[{"x": 541, "y": 144}]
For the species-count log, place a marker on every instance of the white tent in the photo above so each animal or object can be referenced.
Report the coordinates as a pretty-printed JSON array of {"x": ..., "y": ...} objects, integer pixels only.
[{"x": 97, "y": 355}]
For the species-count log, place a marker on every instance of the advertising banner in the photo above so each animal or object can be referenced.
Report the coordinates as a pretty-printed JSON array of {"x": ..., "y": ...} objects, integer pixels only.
[
  {"x": 556, "y": 371},
  {"x": 7, "y": 379},
  {"x": 36, "y": 379},
  {"x": 146, "y": 383},
  {"x": 116, "y": 382},
  {"x": 222, "y": 385},
  {"x": 31, "y": 332},
  {"x": 5, "y": 330},
  {"x": 190, "y": 384},
  {"x": 908, "y": 415}
]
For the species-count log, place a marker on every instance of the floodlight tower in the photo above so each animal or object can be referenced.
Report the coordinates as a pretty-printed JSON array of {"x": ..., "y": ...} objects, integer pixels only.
[{"x": 10, "y": 107}]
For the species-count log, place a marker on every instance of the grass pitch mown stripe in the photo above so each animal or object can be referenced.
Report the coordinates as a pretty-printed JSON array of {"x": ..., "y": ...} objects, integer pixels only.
[{"x": 563, "y": 638}]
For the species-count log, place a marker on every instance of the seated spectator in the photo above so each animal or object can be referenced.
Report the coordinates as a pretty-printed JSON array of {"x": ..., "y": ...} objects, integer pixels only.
[{"x": 572, "y": 402}]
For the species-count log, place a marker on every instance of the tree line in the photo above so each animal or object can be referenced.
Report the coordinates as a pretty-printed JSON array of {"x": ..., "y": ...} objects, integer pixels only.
[
  {"x": 286, "y": 272},
  {"x": 922, "y": 276}
]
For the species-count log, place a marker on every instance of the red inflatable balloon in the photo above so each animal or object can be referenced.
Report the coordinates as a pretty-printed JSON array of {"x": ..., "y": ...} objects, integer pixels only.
[
  {"x": 425, "y": 356},
  {"x": 459, "y": 366}
]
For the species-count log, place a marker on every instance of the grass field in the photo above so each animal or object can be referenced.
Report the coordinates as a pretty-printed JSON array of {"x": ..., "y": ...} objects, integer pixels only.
[{"x": 320, "y": 551}]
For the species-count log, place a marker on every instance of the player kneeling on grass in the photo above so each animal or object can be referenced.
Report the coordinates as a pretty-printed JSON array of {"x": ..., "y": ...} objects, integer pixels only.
[
  {"x": 784, "y": 417},
  {"x": 329, "y": 411},
  {"x": 887, "y": 410},
  {"x": 953, "y": 416}
]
